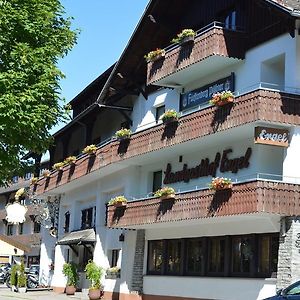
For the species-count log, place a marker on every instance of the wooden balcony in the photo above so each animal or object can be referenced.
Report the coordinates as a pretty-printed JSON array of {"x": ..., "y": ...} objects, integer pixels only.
[
  {"x": 244, "y": 198},
  {"x": 214, "y": 43},
  {"x": 259, "y": 105}
]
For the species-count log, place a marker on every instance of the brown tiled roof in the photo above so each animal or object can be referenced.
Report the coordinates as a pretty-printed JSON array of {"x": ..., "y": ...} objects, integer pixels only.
[{"x": 15, "y": 241}]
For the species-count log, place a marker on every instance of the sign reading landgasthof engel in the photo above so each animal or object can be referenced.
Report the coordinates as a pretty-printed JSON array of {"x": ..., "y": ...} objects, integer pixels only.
[{"x": 271, "y": 136}]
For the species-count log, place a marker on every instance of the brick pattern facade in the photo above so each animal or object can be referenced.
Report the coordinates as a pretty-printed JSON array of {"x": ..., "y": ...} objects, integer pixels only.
[
  {"x": 215, "y": 41},
  {"x": 244, "y": 198},
  {"x": 137, "y": 273},
  {"x": 260, "y": 105},
  {"x": 289, "y": 252}
]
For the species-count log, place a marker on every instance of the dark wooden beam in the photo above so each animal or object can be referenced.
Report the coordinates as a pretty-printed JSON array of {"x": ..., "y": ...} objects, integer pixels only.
[{"x": 74, "y": 250}]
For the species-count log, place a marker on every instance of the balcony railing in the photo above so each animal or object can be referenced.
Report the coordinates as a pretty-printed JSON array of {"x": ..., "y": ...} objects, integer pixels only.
[
  {"x": 244, "y": 198},
  {"x": 259, "y": 105},
  {"x": 212, "y": 40}
]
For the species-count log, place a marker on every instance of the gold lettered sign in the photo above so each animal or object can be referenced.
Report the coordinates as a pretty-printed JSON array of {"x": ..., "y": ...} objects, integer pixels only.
[{"x": 271, "y": 136}]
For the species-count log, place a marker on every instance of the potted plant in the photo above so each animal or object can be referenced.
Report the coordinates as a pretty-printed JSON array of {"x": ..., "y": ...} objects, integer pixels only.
[
  {"x": 21, "y": 280},
  {"x": 70, "y": 271},
  {"x": 113, "y": 273},
  {"x": 123, "y": 134},
  {"x": 90, "y": 149},
  {"x": 34, "y": 180},
  {"x": 155, "y": 55},
  {"x": 59, "y": 166},
  {"x": 171, "y": 115},
  {"x": 20, "y": 194},
  {"x": 185, "y": 36},
  {"x": 220, "y": 183},
  {"x": 220, "y": 99},
  {"x": 118, "y": 201},
  {"x": 70, "y": 160},
  {"x": 46, "y": 173},
  {"x": 13, "y": 278},
  {"x": 94, "y": 273},
  {"x": 165, "y": 193}
]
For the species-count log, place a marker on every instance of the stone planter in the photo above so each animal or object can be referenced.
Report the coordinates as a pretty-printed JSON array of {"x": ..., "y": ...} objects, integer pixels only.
[
  {"x": 22, "y": 290},
  {"x": 70, "y": 290},
  {"x": 95, "y": 294}
]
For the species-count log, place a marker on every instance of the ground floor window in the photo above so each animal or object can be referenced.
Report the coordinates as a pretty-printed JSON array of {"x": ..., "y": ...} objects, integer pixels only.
[
  {"x": 252, "y": 255},
  {"x": 33, "y": 260}
]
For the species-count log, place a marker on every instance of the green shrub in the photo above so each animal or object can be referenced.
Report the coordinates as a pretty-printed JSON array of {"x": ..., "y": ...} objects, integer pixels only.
[
  {"x": 94, "y": 274},
  {"x": 70, "y": 271},
  {"x": 14, "y": 275}
]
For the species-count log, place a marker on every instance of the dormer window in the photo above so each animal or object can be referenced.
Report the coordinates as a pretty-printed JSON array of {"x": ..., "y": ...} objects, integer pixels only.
[{"x": 230, "y": 20}]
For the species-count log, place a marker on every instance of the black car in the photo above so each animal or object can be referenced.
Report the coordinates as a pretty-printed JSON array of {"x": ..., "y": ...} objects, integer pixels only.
[{"x": 292, "y": 292}]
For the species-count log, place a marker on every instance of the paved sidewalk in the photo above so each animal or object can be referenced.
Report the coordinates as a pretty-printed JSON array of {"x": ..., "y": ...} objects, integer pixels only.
[{"x": 6, "y": 294}]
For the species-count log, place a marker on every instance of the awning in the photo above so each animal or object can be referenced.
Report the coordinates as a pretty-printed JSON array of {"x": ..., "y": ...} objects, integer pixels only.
[{"x": 86, "y": 236}]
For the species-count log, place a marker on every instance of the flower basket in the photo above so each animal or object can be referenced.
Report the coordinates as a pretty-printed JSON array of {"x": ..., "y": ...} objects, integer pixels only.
[
  {"x": 34, "y": 180},
  {"x": 46, "y": 173},
  {"x": 70, "y": 160},
  {"x": 123, "y": 134},
  {"x": 119, "y": 201},
  {"x": 170, "y": 116},
  {"x": 165, "y": 193},
  {"x": 155, "y": 55},
  {"x": 90, "y": 150},
  {"x": 220, "y": 99},
  {"x": 58, "y": 166},
  {"x": 220, "y": 183},
  {"x": 185, "y": 36}
]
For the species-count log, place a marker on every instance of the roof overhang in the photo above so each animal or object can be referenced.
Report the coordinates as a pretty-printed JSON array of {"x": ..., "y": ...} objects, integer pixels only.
[{"x": 80, "y": 237}]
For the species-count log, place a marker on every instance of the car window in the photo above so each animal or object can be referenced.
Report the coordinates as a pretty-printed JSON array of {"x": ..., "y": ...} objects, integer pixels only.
[{"x": 295, "y": 290}]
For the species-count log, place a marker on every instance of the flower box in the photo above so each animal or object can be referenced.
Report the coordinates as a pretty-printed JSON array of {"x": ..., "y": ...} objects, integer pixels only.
[
  {"x": 119, "y": 201},
  {"x": 220, "y": 183},
  {"x": 90, "y": 149},
  {"x": 185, "y": 36},
  {"x": 223, "y": 98},
  {"x": 170, "y": 116},
  {"x": 123, "y": 134},
  {"x": 165, "y": 193},
  {"x": 155, "y": 55}
]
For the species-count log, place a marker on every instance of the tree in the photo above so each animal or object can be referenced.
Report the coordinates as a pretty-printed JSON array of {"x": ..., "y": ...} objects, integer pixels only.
[{"x": 34, "y": 35}]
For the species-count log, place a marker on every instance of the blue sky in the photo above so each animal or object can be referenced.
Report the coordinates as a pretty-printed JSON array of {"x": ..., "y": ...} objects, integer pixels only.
[{"x": 106, "y": 26}]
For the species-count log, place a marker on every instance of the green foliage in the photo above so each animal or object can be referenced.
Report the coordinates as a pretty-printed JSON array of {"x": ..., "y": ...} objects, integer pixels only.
[
  {"x": 184, "y": 33},
  {"x": 118, "y": 199},
  {"x": 165, "y": 191},
  {"x": 21, "y": 276},
  {"x": 14, "y": 275},
  {"x": 70, "y": 271},
  {"x": 94, "y": 274},
  {"x": 34, "y": 35}
]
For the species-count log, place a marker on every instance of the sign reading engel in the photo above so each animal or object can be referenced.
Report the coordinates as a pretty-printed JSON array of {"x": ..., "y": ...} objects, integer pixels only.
[
  {"x": 271, "y": 136},
  {"x": 208, "y": 168},
  {"x": 204, "y": 94}
]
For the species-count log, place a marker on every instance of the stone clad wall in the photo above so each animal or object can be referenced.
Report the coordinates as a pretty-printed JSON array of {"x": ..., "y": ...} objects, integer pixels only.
[{"x": 289, "y": 252}]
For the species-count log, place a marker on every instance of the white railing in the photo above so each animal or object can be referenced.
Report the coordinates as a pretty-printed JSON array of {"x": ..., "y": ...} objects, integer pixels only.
[{"x": 274, "y": 178}]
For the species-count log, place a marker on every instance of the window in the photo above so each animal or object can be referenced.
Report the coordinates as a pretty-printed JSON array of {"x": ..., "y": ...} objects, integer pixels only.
[
  {"x": 15, "y": 179},
  {"x": 155, "y": 257},
  {"x": 67, "y": 222},
  {"x": 194, "y": 256},
  {"x": 242, "y": 254},
  {"x": 33, "y": 260},
  {"x": 235, "y": 256},
  {"x": 159, "y": 112},
  {"x": 36, "y": 227},
  {"x": 9, "y": 229},
  {"x": 268, "y": 254},
  {"x": 114, "y": 257},
  {"x": 28, "y": 176},
  {"x": 157, "y": 181},
  {"x": 230, "y": 20},
  {"x": 20, "y": 228},
  {"x": 217, "y": 255},
  {"x": 87, "y": 218},
  {"x": 174, "y": 256}
]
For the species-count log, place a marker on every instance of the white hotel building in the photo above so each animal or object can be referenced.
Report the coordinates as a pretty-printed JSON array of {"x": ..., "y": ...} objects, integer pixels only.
[{"x": 240, "y": 243}]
